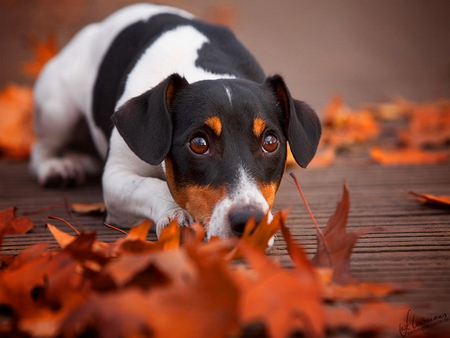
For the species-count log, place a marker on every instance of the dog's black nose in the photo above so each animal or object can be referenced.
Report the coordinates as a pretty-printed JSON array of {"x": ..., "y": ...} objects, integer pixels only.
[{"x": 239, "y": 217}]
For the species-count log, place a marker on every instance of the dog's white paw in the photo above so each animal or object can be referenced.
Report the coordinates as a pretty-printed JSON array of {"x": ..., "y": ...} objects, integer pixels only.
[
  {"x": 181, "y": 215},
  {"x": 70, "y": 170}
]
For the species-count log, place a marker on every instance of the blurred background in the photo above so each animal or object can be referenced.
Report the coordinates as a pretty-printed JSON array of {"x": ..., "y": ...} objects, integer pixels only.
[{"x": 366, "y": 50}]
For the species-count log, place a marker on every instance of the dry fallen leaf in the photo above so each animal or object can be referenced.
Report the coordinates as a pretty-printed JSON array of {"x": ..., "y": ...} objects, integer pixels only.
[
  {"x": 286, "y": 302},
  {"x": 134, "y": 288},
  {"x": 358, "y": 291},
  {"x": 43, "y": 52},
  {"x": 368, "y": 319},
  {"x": 344, "y": 127},
  {"x": 338, "y": 243},
  {"x": 442, "y": 200},
  {"x": 407, "y": 156},
  {"x": 259, "y": 235},
  {"x": 10, "y": 224},
  {"x": 88, "y": 208},
  {"x": 16, "y": 125},
  {"x": 61, "y": 237},
  {"x": 429, "y": 125}
]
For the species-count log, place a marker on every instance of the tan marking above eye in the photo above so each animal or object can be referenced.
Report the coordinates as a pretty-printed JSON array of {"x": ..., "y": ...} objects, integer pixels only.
[
  {"x": 215, "y": 124},
  {"x": 258, "y": 126}
]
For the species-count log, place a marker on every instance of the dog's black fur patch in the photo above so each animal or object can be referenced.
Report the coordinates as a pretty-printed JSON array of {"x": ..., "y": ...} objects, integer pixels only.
[{"x": 224, "y": 54}]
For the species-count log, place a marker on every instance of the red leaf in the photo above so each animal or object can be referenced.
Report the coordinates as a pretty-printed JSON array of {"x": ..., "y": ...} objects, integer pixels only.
[
  {"x": 442, "y": 201},
  {"x": 10, "y": 224},
  {"x": 339, "y": 242},
  {"x": 285, "y": 301}
]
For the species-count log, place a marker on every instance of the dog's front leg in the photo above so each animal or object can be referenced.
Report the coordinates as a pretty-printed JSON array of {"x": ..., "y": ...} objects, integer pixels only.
[{"x": 134, "y": 190}]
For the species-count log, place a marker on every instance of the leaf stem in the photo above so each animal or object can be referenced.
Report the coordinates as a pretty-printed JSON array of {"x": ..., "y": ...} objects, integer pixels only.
[
  {"x": 64, "y": 221},
  {"x": 115, "y": 228},
  {"x": 319, "y": 231}
]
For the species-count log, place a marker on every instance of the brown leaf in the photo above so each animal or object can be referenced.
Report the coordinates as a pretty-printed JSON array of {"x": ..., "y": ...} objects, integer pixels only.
[
  {"x": 442, "y": 201},
  {"x": 63, "y": 238},
  {"x": 373, "y": 317},
  {"x": 259, "y": 235},
  {"x": 429, "y": 125},
  {"x": 88, "y": 208},
  {"x": 284, "y": 301},
  {"x": 407, "y": 156},
  {"x": 140, "y": 231},
  {"x": 204, "y": 302},
  {"x": 170, "y": 237},
  {"x": 344, "y": 127},
  {"x": 43, "y": 52},
  {"x": 359, "y": 291},
  {"x": 41, "y": 286},
  {"x": 113, "y": 315},
  {"x": 325, "y": 156},
  {"x": 338, "y": 242},
  {"x": 10, "y": 224},
  {"x": 16, "y": 125}
]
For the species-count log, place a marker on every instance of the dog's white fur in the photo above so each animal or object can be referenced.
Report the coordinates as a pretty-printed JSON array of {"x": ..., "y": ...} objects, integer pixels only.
[{"x": 133, "y": 190}]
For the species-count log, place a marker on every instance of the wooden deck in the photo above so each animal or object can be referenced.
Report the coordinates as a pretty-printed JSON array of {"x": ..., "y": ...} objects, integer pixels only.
[{"x": 412, "y": 249}]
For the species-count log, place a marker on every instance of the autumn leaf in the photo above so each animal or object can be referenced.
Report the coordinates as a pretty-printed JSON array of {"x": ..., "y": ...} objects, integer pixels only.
[
  {"x": 429, "y": 125},
  {"x": 338, "y": 242},
  {"x": 141, "y": 231},
  {"x": 16, "y": 125},
  {"x": 286, "y": 302},
  {"x": 170, "y": 236},
  {"x": 134, "y": 287},
  {"x": 40, "y": 286},
  {"x": 407, "y": 156},
  {"x": 442, "y": 200},
  {"x": 61, "y": 237},
  {"x": 131, "y": 270},
  {"x": 114, "y": 315},
  {"x": 360, "y": 291},
  {"x": 259, "y": 235},
  {"x": 344, "y": 127},
  {"x": 43, "y": 51},
  {"x": 374, "y": 318},
  {"x": 334, "y": 244},
  {"x": 88, "y": 208},
  {"x": 210, "y": 294},
  {"x": 324, "y": 157},
  {"x": 10, "y": 224}
]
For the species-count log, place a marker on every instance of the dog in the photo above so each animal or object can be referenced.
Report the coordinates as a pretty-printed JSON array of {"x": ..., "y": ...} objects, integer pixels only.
[{"x": 187, "y": 124}]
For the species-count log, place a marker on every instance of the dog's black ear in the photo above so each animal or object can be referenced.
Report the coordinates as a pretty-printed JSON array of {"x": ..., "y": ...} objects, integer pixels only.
[
  {"x": 145, "y": 123},
  {"x": 302, "y": 125}
]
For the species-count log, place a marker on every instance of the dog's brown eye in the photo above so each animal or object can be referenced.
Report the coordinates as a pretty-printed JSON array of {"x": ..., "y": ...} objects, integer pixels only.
[
  {"x": 199, "y": 145},
  {"x": 270, "y": 143}
]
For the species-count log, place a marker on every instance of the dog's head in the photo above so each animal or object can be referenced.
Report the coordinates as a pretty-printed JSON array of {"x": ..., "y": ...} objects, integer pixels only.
[{"x": 223, "y": 143}]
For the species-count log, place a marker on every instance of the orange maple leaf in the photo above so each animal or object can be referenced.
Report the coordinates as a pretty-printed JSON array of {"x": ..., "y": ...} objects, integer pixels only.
[
  {"x": 407, "y": 156},
  {"x": 429, "y": 125},
  {"x": 442, "y": 200},
  {"x": 43, "y": 52},
  {"x": 16, "y": 125},
  {"x": 10, "y": 224},
  {"x": 285, "y": 301}
]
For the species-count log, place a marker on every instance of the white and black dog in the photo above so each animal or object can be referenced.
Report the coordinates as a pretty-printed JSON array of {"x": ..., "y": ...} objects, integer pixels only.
[{"x": 188, "y": 124}]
